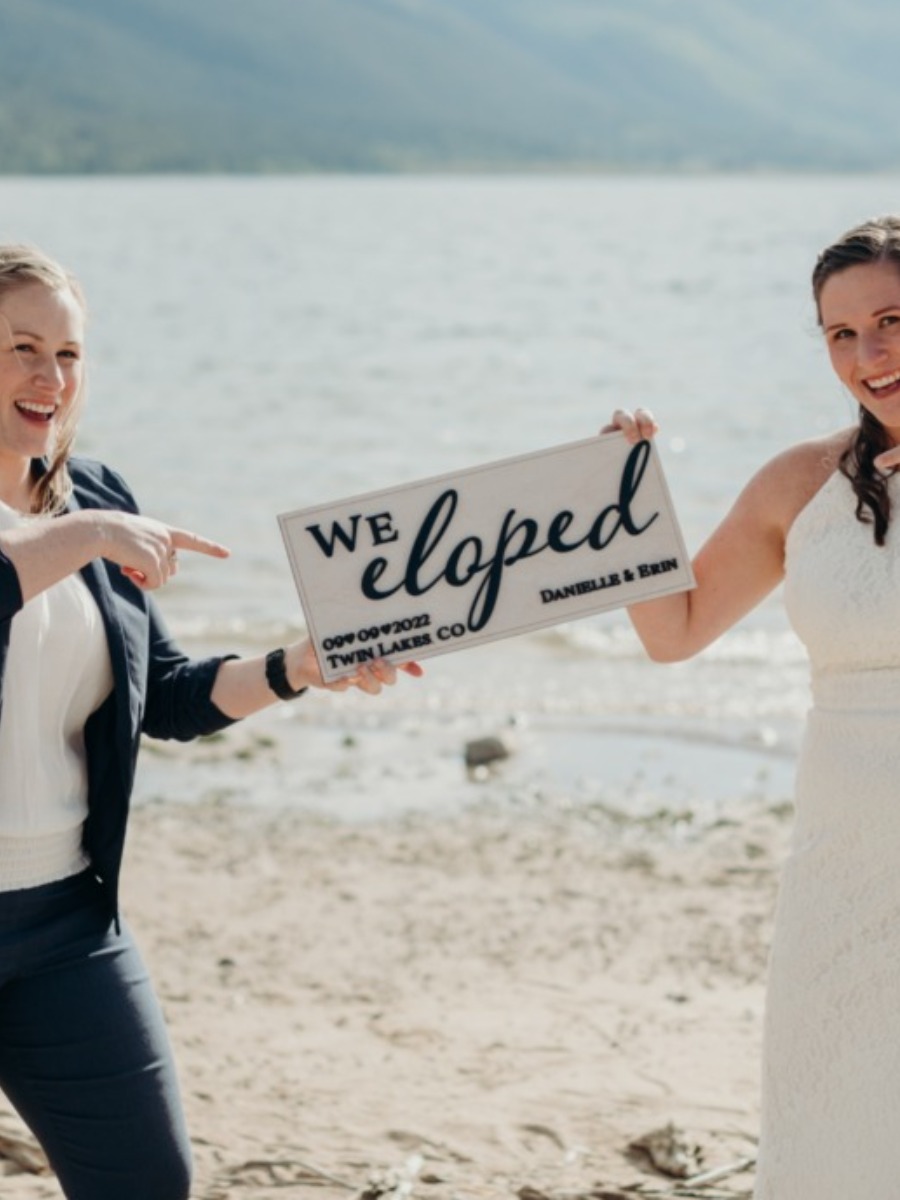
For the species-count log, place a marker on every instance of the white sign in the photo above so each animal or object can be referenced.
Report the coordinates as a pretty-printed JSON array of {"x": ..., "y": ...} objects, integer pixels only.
[{"x": 501, "y": 549}]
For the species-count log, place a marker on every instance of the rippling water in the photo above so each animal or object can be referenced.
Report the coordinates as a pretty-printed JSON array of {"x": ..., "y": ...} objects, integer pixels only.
[{"x": 261, "y": 344}]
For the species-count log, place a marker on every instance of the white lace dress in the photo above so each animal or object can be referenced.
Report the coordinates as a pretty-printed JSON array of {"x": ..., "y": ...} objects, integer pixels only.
[{"x": 831, "y": 1079}]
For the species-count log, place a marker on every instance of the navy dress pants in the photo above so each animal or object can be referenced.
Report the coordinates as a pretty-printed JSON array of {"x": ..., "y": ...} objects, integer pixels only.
[{"x": 84, "y": 1054}]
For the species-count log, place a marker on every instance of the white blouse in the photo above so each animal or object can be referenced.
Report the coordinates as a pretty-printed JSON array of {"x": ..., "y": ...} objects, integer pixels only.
[{"x": 57, "y": 673}]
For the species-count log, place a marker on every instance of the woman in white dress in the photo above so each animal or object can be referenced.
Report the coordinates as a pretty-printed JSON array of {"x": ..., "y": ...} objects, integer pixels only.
[{"x": 821, "y": 516}]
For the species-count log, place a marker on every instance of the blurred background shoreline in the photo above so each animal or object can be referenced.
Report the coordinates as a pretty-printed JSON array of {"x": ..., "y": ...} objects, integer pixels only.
[
  {"x": 258, "y": 345},
  {"x": 332, "y": 246}
]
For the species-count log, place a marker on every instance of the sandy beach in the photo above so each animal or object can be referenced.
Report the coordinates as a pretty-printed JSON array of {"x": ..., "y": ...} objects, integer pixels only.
[{"x": 487, "y": 998}]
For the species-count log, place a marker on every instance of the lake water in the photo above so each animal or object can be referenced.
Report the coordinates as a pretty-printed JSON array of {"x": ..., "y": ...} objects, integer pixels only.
[{"x": 261, "y": 344}]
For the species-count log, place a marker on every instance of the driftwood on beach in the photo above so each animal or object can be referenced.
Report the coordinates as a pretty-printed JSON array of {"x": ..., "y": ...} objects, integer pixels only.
[{"x": 23, "y": 1153}]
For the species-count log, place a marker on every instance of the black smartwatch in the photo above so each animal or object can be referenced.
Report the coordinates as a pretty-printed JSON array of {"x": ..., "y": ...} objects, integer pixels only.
[{"x": 276, "y": 677}]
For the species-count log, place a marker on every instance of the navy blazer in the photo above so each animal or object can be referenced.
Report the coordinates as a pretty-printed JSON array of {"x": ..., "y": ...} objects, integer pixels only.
[{"x": 157, "y": 689}]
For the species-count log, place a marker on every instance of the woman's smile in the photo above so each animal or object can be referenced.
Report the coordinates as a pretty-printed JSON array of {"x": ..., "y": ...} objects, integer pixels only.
[
  {"x": 41, "y": 337},
  {"x": 35, "y": 411},
  {"x": 860, "y": 312},
  {"x": 884, "y": 385}
]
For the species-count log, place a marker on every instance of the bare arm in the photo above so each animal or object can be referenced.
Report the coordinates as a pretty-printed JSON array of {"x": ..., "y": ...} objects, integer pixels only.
[
  {"x": 241, "y": 687},
  {"x": 45, "y": 551},
  {"x": 743, "y": 560},
  {"x": 737, "y": 567}
]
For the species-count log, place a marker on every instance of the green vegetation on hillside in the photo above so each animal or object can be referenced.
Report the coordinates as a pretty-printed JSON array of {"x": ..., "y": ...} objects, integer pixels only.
[{"x": 285, "y": 85}]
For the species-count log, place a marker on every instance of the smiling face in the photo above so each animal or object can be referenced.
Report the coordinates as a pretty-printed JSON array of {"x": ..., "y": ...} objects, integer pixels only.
[
  {"x": 41, "y": 341},
  {"x": 859, "y": 308}
]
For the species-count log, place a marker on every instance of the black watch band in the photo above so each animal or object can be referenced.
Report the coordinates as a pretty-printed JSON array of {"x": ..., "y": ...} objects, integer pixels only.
[{"x": 276, "y": 677}]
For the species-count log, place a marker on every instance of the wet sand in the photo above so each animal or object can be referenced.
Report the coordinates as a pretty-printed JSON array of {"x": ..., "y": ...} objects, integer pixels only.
[{"x": 492, "y": 997}]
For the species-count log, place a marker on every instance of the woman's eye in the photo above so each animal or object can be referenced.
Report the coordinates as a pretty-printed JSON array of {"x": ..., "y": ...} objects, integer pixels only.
[
  {"x": 841, "y": 335},
  {"x": 23, "y": 348},
  {"x": 889, "y": 319},
  {"x": 70, "y": 354}
]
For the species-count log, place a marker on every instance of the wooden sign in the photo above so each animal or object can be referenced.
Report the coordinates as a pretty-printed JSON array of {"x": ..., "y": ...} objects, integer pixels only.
[{"x": 457, "y": 560}]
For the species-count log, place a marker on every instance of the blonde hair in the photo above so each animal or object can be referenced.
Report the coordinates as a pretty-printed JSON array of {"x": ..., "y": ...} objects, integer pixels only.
[{"x": 21, "y": 265}]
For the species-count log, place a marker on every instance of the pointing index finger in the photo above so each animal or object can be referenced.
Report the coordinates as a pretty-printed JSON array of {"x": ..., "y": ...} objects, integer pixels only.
[{"x": 183, "y": 539}]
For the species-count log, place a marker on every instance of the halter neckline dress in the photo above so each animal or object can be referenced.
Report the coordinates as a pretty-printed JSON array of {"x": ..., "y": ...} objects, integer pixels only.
[{"x": 831, "y": 1070}]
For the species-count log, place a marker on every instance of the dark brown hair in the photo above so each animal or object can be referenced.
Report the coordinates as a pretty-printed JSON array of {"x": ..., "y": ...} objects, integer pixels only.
[
  {"x": 874, "y": 241},
  {"x": 19, "y": 266}
]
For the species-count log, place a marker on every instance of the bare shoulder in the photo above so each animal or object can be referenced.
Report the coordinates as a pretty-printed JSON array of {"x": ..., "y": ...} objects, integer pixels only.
[
  {"x": 818, "y": 457},
  {"x": 786, "y": 484}
]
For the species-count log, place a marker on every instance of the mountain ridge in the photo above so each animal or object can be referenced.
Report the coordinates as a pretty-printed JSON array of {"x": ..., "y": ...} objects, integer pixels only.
[{"x": 379, "y": 85}]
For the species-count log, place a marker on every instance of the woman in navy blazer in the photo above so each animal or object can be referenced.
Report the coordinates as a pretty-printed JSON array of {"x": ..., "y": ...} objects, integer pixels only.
[{"x": 86, "y": 667}]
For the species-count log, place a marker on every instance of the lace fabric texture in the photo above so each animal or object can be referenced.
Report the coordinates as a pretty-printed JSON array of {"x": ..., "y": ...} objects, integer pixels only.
[{"x": 831, "y": 1071}]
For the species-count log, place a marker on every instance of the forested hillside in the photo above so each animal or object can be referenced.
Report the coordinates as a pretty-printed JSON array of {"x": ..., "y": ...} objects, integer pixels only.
[{"x": 209, "y": 85}]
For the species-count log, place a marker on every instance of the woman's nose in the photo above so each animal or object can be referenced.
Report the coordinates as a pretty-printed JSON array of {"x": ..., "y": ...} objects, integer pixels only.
[
  {"x": 47, "y": 373},
  {"x": 871, "y": 348}
]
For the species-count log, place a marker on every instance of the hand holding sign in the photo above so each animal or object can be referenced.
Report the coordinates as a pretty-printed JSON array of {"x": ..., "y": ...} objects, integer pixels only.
[
  {"x": 636, "y": 426},
  {"x": 370, "y": 677},
  {"x": 498, "y": 550}
]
